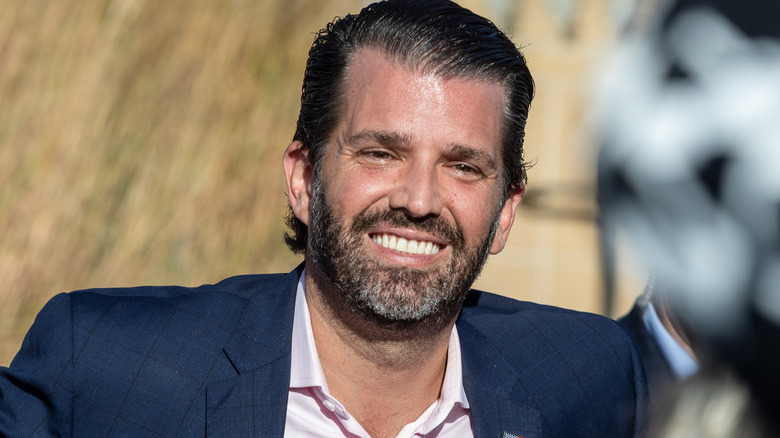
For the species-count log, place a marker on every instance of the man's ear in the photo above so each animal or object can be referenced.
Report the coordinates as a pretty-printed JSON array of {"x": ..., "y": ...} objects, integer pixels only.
[
  {"x": 507, "y": 218},
  {"x": 299, "y": 173}
]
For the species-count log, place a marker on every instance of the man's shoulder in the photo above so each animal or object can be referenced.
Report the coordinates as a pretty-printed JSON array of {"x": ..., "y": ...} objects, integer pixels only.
[
  {"x": 480, "y": 304},
  {"x": 501, "y": 317},
  {"x": 238, "y": 287},
  {"x": 150, "y": 305},
  {"x": 154, "y": 347},
  {"x": 156, "y": 320},
  {"x": 580, "y": 370}
]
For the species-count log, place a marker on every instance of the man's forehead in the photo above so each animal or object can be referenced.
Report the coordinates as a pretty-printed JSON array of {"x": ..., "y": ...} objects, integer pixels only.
[
  {"x": 373, "y": 74},
  {"x": 377, "y": 86}
]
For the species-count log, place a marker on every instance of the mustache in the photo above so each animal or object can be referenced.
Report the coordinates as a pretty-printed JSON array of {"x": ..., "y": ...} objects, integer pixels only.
[{"x": 436, "y": 225}]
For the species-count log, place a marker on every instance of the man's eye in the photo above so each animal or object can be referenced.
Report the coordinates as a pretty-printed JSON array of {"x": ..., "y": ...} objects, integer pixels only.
[
  {"x": 380, "y": 155},
  {"x": 464, "y": 168}
]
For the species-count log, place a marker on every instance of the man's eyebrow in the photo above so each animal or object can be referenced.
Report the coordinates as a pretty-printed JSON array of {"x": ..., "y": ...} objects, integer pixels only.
[
  {"x": 455, "y": 150},
  {"x": 386, "y": 138},
  {"x": 466, "y": 153}
]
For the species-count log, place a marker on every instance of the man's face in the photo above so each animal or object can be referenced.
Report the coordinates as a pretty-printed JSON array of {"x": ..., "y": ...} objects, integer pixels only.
[{"x": 409, "y": 195}]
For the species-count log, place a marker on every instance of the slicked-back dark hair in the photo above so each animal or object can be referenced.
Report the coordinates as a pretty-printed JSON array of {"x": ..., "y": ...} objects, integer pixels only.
[{"x": 430, "y": 36}]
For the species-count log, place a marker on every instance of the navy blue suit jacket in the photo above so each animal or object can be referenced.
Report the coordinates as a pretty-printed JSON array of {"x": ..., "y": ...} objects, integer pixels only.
[{"x": 215, "y": 361}]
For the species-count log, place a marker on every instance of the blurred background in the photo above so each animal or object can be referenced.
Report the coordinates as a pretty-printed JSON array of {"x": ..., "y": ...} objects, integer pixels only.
[{"x": 141, "y": 143}]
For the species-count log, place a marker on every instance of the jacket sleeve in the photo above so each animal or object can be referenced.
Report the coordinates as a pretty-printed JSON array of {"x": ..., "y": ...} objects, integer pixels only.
[{"x": 36, "y": 390}]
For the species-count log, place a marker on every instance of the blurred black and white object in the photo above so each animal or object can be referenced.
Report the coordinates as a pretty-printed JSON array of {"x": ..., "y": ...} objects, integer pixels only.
[{"x": 688, "y": 110}]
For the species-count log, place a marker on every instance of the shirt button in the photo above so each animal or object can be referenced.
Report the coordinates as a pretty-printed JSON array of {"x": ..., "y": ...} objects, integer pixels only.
[{"x": 329, "y": 405}]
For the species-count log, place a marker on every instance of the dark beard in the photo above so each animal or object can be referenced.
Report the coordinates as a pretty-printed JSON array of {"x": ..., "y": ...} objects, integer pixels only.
[{"x": 392, "y": 295}]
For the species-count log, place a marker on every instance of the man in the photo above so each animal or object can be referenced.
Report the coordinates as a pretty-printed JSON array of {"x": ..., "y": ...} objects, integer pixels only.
[{"x": 403, "y": 175}]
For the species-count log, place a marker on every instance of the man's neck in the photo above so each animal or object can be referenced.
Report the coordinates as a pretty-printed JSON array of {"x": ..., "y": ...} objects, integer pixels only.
[{"x": 385, "y": 376}]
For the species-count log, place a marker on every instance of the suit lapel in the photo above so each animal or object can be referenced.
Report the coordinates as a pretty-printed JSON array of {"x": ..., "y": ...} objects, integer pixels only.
[
  {"x": 254, "y": 402},
  {"x": 498, "y": 402}
]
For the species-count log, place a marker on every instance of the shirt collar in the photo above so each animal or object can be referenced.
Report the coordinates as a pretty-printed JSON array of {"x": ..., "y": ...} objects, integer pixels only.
[{"x": 306, "y": 370}]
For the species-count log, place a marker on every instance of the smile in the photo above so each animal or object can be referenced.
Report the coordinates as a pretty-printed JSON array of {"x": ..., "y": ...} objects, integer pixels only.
[{"x": 406, "y": 246}]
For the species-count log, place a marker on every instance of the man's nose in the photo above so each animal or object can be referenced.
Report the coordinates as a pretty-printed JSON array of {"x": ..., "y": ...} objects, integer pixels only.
[{"x": 418, "y": 193}]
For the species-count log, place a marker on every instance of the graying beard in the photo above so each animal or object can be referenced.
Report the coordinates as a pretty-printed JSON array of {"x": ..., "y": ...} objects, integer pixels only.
[{"x": 361, "y": 293}]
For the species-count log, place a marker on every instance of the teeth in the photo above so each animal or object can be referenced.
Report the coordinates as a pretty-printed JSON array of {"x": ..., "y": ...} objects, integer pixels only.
[
  {"x": 400, "y": 246},
  {"x": 407, "y": 246}
]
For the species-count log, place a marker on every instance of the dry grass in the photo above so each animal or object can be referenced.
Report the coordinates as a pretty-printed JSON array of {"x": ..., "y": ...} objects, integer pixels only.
[{"x": 140, "y": 142}]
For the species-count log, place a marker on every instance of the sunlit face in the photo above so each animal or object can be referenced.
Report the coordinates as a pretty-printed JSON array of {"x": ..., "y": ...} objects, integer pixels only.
[{"x": 409, "y": 200}]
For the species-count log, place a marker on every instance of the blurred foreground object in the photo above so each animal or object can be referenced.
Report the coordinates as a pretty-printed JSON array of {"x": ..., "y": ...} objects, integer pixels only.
[
  {"x": 663, "y": 338},
  {"x": 690, "y": 170},
  {"x": 713, "y": 404}
]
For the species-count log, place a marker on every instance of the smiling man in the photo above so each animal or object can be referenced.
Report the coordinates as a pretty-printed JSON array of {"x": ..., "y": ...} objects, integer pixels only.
[{"x": 403, "y": 176}]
